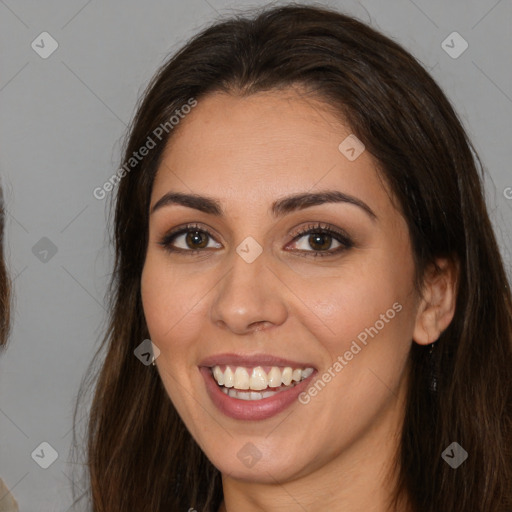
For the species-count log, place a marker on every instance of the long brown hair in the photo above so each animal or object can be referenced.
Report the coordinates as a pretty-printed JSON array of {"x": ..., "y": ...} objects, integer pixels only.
[
  {"x": 5, "y": 283},
  {"x": 140, "y": 455}
]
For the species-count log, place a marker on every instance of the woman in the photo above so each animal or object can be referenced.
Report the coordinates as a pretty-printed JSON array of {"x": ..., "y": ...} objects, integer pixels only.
[
  {"x": 7, "y": 502},
  {"x": 301, "y": 232},
  {"x": 4, "y": 281}
]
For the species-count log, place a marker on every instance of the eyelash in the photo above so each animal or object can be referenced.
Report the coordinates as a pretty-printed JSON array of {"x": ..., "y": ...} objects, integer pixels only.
[{"x": 318, "y": 228}]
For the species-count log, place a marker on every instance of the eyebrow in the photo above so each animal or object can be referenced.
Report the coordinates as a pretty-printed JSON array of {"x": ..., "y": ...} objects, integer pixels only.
[{"x": 279, "y": 208}]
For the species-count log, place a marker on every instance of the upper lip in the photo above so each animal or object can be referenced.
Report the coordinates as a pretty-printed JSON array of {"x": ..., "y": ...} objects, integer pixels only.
[{"x": 251, "y": 360}]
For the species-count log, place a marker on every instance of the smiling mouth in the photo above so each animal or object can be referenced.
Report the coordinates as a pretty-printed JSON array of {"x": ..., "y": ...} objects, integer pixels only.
[{"x": 257, "y": 383}]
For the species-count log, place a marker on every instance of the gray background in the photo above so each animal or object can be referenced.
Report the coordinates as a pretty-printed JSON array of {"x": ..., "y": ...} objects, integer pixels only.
[{"x": 62, "y": 119}]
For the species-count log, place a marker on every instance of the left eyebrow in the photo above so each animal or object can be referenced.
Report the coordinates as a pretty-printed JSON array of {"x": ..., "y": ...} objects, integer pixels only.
[
  {"x": 300, "y": 201},
  {"x": 279, "y": 208}
]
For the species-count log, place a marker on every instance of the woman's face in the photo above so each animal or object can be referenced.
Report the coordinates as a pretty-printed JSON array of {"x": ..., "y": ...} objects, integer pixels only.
[{"x": 244, "y": 291}]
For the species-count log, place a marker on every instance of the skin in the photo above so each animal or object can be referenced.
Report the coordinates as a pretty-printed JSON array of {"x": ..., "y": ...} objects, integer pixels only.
[{"x": 335, "y": 453}]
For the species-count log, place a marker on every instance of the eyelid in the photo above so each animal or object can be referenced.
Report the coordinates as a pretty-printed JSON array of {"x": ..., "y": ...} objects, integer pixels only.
[
  {"x": 320, "y": 227},
  {"x": 338, "y": 234},
  {"x": 189, "y": 227},
  {"x": 165, "y": 241},
  {"x": 311, "y": 228}
]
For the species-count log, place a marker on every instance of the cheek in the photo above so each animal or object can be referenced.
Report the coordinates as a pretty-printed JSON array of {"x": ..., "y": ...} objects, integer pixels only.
[
  {"x": 172, "y": 304},
  {"x": 363, "y": 321},
  {"x": 155, "y": 299},
  {"x": 362, "y": 296}
]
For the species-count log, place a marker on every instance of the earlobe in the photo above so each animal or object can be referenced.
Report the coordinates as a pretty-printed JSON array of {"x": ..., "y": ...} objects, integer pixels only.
[{"x": 437, "y": 305}]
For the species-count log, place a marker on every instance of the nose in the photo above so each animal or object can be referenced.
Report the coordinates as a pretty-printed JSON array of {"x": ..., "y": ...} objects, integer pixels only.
[{"x": 250, "y": 297}]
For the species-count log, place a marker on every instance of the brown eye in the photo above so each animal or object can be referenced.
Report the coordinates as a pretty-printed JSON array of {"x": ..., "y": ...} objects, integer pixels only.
[
  {"x": 320, "y": 239},
  {"x": 196, "y": 237},
  {"x": 190, "y": 239},
  {"x": 320, "y": 242}
]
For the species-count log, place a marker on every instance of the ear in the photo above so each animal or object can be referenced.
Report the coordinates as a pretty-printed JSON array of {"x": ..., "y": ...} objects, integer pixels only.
[{"x": 437, "y": 304}]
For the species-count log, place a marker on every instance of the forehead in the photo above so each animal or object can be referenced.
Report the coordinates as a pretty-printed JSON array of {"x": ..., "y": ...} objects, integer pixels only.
[
  {"x": 253, "y": 149},
  {"x": 273, "y": 120}
]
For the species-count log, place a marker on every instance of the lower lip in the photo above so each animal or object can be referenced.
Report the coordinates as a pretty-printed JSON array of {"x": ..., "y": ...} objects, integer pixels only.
[{"x": 251, "y": 410}]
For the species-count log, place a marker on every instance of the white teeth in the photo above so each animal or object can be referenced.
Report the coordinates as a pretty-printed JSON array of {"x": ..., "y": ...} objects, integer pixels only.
[
  {"x": 258, "y": 378},
  {"x": 229, "y": 379},
  {"x": 297, "y": 375},
  {"x": 306, "y": 373},
  {"x": 219, "y": 375},
  {"x": 240, "y": 378},
  {"x": 249, "y": 395},
  {"x": 287, "y": 376},
  {"x": 274, "y": 377}
]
